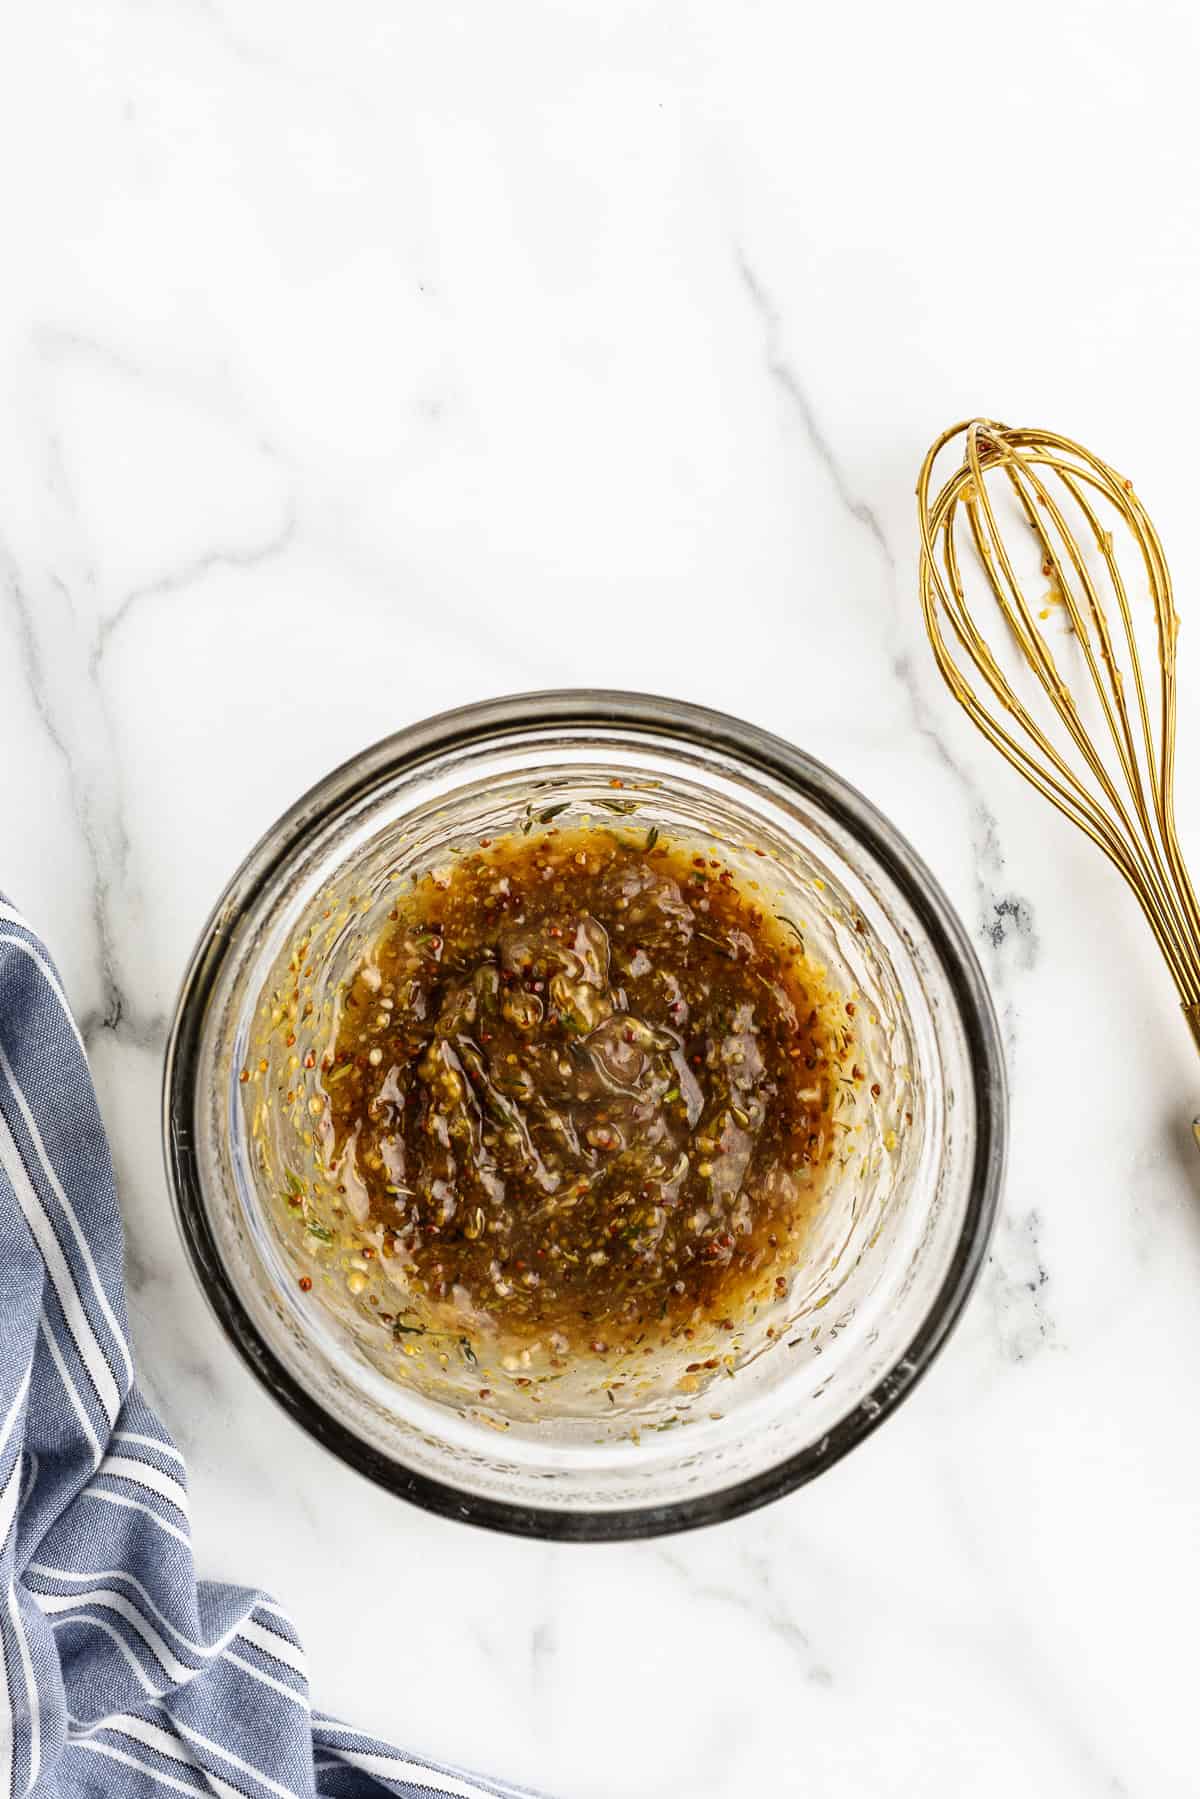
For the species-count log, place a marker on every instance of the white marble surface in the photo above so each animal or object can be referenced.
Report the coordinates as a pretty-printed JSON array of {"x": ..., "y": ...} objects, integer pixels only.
[{"x": 359, "y": 361}]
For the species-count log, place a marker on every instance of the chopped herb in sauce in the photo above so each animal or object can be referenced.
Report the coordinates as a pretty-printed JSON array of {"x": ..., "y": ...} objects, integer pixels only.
[{"x": 585, "y": 1081}]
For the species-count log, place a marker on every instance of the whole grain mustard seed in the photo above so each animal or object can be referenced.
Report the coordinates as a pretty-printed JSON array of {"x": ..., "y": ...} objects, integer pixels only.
[{"x": 597, "y": 1111}]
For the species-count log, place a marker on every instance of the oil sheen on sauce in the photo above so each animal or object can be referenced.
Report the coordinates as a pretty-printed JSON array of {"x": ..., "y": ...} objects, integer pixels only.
[{"x": 579, "y": 1096}]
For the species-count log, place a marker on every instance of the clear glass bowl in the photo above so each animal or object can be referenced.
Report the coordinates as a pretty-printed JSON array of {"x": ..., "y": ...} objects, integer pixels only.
[{"x": 904, "y": 1222}]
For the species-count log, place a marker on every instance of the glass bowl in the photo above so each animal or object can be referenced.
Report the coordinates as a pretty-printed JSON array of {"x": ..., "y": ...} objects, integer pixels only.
[{"x": 904, "y": 1220}]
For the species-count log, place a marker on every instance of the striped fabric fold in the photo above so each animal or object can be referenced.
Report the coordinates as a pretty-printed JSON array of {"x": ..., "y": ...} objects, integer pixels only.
[{"x": 120, "y": 1673}]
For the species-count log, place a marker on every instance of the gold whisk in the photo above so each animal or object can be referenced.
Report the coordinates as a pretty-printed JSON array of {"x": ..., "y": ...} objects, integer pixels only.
[{"x": 1087, "y": 728}]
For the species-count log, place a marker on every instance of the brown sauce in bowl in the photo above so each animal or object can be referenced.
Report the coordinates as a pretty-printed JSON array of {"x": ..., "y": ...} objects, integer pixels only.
[{"x": 580, "y": 1094}]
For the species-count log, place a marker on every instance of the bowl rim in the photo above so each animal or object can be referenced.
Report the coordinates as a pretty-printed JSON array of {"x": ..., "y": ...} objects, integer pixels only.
[{"x": 498, "y": 720}]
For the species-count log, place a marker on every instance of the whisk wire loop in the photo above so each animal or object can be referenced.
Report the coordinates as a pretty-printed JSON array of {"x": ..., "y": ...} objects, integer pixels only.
[{"x": 1114, "y": 782}]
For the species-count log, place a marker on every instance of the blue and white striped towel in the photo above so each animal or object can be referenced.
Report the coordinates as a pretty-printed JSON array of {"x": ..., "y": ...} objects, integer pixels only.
[{"x": 120, "y": 1673}]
